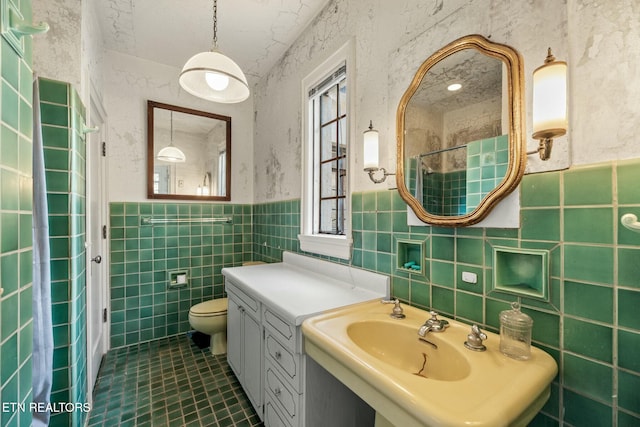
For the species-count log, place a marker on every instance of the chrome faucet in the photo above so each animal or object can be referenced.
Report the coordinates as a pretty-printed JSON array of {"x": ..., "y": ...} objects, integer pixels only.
[
  {"x": 433, "y": 325},
  {"x": 475, "y": 338},
  {"x": 397, "y": 312}
]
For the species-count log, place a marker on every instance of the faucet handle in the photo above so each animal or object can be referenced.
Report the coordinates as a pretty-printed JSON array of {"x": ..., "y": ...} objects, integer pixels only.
[
  {"x": 435, "y": 324},
  {"x": 475, "y": 339},
  {"x": 397, "y": 312}
]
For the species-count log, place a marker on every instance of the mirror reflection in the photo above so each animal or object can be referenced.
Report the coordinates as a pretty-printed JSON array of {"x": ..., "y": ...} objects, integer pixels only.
[
  {"x": 456, "y": 147},
  {"x": 459, "y": 132},
  {"x": 189, "y": 153}
]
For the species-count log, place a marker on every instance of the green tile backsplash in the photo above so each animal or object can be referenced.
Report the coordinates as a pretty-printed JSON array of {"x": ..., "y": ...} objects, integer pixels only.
[
  {"x": 143, "y": 307},
  {"x": 16, "y": 327},
  {"x": 590, "y": 326}
]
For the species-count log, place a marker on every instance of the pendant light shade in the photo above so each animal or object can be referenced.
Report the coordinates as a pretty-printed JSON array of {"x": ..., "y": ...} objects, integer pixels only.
[
  {"x": 171, "y": 153},
  {"x": 214, "y": 76}
]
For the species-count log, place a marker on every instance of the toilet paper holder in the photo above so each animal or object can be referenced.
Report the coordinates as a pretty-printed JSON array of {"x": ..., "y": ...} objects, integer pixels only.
[{"x": 178, "y": 278}]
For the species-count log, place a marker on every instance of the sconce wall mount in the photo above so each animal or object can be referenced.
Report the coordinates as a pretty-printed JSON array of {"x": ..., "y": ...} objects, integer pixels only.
[
  {"x": 549, "y": 104},
  {"x": 370, "y": 145}
]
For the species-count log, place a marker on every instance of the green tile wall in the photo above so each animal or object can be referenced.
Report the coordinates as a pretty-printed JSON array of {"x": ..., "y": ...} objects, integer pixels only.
[
  {"x": 143, "y": 307},
  {"x": 487, "y": 162},
  {"x": 16, "y": 323},
  {"x": 65, "y": 167},
  {"x": 275, "y": 229},
  {"x": 445, "y": 193},
  {"x": 442, "y": 193},
  {"x": 590, "y": 325}
]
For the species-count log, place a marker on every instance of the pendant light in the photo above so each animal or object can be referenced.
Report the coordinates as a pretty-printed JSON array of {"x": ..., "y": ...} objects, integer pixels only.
[
  {"x": 214, "y": 76},
  {"x": 171, "y": 153}
]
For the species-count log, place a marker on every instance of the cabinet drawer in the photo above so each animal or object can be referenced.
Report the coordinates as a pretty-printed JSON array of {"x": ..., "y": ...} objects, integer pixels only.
[
  {"x": 273, "y": 418},
  {"x": 285, "y": 398},
  {"x": 248, "y": 303},
  {"x": 283, "y": 330},
  {"x": 290, "y": 363}
]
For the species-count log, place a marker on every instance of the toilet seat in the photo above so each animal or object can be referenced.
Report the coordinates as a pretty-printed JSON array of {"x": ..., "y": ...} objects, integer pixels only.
[{"x": 211, "y": 308}]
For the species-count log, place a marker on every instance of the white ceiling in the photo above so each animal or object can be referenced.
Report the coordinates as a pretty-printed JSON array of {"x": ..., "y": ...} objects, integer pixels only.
[{"x": 254, "y": 33}]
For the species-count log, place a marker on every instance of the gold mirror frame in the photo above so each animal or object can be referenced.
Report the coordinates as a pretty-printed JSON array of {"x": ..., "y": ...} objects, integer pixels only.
[{"x": 517, "y": 149}]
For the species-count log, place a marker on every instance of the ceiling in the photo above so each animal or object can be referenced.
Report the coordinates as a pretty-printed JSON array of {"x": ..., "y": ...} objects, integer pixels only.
[{"x": 254, "y": 33}]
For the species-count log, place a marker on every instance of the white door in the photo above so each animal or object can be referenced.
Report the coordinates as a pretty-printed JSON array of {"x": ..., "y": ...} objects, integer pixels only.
[{"x": 97, "y": 260}]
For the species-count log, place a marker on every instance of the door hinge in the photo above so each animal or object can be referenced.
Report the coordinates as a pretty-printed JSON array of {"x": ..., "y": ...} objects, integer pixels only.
[
  {"x": 104, "y": 315},
  {"x": 104, "y": 149},
  {"x": 104, "y": 231}
]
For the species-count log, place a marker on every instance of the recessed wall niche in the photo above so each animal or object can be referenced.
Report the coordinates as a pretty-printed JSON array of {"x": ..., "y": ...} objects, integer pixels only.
[
  {"x": 410, "y": 256},
  {"x": 523, "y": 272}
]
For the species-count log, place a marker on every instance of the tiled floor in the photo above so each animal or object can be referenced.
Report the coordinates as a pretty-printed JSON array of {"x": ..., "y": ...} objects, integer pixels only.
[{"x": 169, "y": 382}]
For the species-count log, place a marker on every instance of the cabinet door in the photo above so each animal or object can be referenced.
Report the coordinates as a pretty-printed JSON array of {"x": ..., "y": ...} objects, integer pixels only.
[
  {"x": 234, "y": 336},
  {"x": 252, "y": 373}
]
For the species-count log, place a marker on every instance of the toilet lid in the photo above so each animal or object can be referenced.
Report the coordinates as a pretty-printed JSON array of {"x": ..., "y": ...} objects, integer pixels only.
[{"x": 211, "y": 307}]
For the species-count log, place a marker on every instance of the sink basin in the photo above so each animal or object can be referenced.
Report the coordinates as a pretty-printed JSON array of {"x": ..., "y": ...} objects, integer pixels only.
[
  {"x": 397, "y": 344},
  {"x": 410, "y": 383}
]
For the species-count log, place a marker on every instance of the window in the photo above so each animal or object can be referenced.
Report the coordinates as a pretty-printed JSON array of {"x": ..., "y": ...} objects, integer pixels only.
[
  {"x": 325, "y": 199},
  {"x": 327, "y": 104},
  {"x": 222, "y": 172}
]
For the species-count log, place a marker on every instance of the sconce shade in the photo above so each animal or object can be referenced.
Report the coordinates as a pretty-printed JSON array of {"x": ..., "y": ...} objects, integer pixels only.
[
  {"x": 171, "y": 153},
  {"x": 370, "y": 137},
  {"x": 550, "y": 99},
  {"x": 214, "y": 77}
]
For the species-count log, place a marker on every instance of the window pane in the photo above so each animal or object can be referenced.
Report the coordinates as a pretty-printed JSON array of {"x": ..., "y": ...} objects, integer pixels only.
[
  {"x": 332, "y": 216},
  {"x": 343, "y": 98},
  {"x": 342, "y": 176},
  {"x": 342, "y": 137},
  {"x": 328, "y": 142},
  {"x": 329, "y": 105},
  {"x": 328, "y": 180},
  {"x": 340, "y": 217},
  {"x": 328, "y": 216}
]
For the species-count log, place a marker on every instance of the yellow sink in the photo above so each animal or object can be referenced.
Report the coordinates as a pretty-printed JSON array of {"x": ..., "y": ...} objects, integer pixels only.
[
  {"x": 410, "y": 383},
  {"x": 397, "y": 344}
]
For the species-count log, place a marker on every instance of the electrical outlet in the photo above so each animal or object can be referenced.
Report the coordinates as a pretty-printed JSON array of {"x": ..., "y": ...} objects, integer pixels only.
[{"x": 469, "y": 277}]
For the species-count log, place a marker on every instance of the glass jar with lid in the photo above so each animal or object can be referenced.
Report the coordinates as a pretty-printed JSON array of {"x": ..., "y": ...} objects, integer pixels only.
[{"x": 515, "y": 333}]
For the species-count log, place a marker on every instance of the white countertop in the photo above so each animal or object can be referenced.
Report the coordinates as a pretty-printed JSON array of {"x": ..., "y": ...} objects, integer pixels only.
[{"x": 300, "y": 286}]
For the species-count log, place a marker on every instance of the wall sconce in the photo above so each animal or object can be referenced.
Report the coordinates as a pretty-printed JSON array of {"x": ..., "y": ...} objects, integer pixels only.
[
  {"x": 370, "y": 139},
  {"x": 549, "y": 104},
  {"x": 203, "y": 190}
]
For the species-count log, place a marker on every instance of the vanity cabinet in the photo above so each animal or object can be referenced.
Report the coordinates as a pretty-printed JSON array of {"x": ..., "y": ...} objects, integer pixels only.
[
  {"x": 284, "y": 369},
  {"x": 244, "y": 350},
  {"x": 265, "y": 348}
]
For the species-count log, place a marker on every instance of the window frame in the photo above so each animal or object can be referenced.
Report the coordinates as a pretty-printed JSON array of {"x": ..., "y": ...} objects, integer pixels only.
[{"x": 311, "y": 240}]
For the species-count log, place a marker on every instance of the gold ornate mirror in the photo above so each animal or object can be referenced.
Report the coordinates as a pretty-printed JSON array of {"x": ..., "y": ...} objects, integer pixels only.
[{"x": 460, "y": 132}]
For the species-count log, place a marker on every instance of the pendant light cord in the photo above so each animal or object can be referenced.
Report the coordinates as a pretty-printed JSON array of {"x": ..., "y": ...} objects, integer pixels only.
[{"x": 215, "y": 24}]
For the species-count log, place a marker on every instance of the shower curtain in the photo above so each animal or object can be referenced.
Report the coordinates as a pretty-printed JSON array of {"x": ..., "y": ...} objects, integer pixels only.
[
  {"x": 42, "y": 359},
  {"x": 419, "y": 190}
]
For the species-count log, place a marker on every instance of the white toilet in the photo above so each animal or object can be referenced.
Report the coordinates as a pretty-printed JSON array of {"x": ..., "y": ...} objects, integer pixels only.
[{"x": 210, "y": 317}]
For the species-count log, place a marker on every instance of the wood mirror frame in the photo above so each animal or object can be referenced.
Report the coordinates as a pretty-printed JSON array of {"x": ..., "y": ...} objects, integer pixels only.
[
  {"x": 195, "y": 122},
  {"x": 513, "y": 65}
]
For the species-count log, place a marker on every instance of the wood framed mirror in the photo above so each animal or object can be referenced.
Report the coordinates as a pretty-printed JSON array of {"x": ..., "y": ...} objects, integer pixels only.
[
  {"x": 460, "y": 132},
  {"x": 203, "y": 170}
]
